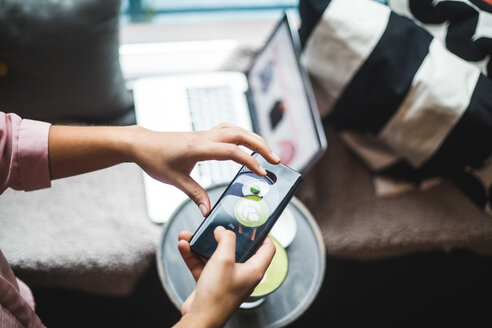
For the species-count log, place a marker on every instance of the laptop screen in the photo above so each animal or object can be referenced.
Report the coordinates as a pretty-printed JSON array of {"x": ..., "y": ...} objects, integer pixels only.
[{"x": 285, "y": 113}]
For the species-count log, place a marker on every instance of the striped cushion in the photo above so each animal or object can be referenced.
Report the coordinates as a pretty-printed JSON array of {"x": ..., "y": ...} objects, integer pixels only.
[{"x": 408, "y": 87}]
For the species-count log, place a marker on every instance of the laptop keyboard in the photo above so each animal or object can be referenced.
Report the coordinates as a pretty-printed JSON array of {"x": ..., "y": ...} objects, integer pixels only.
[{"x": 210, "y": 106}]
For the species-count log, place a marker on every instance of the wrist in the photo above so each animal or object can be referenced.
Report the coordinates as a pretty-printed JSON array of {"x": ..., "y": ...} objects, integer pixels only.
[
  {"x": 202, "y": 320},
  {"x": 128, "y": 143}
]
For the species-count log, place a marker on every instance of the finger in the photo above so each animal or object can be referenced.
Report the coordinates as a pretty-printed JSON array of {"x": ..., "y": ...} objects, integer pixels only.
[
  {"x": 185, "y": 235},
  {"x": 193, "y": 261},
  {"x": 191, "y": 188},
  {"x": 225, "y": 151},
  {"x": 226, "y": 248},
  {"x": 252, "y": 141},
  {"x": 263, "y": 256},
  {"x": 228, "y": 129}
]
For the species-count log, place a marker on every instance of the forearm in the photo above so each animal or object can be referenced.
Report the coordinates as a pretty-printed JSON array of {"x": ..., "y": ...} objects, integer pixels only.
[{"x": 74, "y": 150}]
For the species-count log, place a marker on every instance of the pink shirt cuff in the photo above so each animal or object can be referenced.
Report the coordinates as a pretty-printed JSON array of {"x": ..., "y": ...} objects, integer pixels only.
[{"x": 33, "y": 155}]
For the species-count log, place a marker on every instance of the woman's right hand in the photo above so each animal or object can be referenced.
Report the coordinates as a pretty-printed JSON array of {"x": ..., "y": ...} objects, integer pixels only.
[{"x": 222, "y": 284}]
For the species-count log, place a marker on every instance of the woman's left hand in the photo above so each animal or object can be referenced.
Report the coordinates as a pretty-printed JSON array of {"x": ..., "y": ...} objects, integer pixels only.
[{"x": 170, "y": 156}]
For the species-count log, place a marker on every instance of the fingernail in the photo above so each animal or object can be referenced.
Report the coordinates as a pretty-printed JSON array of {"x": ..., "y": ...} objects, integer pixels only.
[
  {"x": 203, "y": 209},
  {"x": 263, "y": 171},
  {"x": 219, "y": 228},
  {"x": 275, "y": 157}
]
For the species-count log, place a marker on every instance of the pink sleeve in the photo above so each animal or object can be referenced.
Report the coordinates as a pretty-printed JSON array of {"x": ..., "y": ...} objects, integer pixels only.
[{"x": 24, "y": 153}]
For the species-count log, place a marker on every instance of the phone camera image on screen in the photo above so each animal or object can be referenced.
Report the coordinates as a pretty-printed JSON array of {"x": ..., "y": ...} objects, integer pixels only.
[
  {"x": 252, "y": 210},
  {"x": 276, "y": 113},
  {"x": 249, "y": 206}
]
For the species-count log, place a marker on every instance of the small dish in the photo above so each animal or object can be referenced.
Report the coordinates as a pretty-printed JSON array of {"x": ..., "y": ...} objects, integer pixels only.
[{"x": 284, "y": 230}]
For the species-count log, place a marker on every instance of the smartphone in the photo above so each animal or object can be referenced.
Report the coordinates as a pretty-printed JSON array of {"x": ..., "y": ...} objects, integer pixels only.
[{"x": 249, "y": 206}]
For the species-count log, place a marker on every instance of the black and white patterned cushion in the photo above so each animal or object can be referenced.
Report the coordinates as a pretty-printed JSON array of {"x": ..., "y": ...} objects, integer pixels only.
[{"x": 409, "y": 87}]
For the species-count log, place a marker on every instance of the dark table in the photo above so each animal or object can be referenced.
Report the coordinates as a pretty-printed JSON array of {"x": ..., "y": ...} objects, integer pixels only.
[{"x": 306, "y": 255}]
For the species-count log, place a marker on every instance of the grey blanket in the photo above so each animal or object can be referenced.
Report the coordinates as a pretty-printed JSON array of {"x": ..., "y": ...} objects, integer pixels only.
[
  {"x": 358, "y": 224},
  {"x": 88, "y": 232}
]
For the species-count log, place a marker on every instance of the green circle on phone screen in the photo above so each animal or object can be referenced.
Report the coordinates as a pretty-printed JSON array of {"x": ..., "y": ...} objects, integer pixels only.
[{"x": 251, "y": 211}]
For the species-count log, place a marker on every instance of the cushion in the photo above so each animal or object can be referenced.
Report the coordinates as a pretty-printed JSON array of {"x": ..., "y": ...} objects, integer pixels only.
[
  {"x": 357, "y": 223},
  {"x": 59, "y": 60},
  {"x": 413, "y": 106}
]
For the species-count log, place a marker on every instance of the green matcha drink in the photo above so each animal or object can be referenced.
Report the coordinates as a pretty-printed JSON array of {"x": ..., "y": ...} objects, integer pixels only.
[{"x": 274, "y": 275}]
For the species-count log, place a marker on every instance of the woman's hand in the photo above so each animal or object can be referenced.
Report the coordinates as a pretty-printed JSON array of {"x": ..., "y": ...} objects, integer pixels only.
[
  {"x": 166, "y": 156},
  {"x": 222, "y": 284},
  {"x": 170, "y": 156}
]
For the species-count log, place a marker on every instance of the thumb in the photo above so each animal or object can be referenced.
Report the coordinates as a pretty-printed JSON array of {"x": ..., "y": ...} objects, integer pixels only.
[{"x": 191, "y": 188}]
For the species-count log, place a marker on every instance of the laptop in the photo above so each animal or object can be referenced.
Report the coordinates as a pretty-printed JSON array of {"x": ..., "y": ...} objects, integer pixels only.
[{"x": 274, "y": 98}]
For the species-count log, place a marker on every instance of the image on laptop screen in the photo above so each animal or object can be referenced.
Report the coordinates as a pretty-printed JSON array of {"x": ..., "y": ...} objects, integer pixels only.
[{"x": 284, "y": 111}]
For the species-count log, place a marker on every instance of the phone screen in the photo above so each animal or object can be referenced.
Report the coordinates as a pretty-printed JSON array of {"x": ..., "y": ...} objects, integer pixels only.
[{"x": 249, "y": 206}]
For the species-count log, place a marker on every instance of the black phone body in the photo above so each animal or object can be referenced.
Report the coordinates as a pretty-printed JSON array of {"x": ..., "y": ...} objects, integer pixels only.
[{"x": 249, "y": 206}]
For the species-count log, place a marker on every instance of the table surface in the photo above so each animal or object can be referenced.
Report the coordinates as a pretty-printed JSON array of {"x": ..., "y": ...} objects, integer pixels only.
[{"x": 306, "y": 267}]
